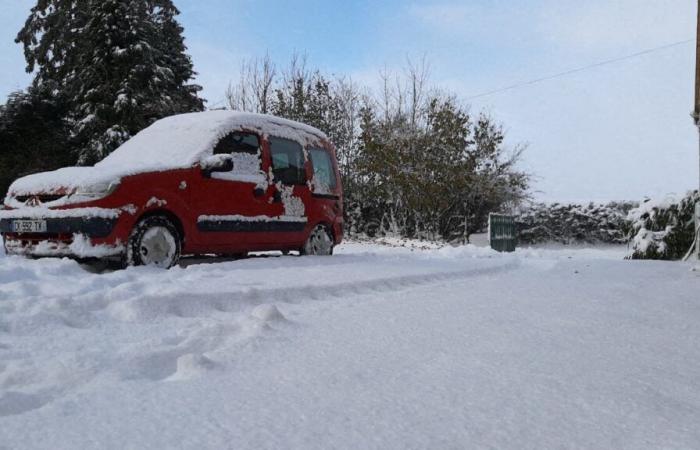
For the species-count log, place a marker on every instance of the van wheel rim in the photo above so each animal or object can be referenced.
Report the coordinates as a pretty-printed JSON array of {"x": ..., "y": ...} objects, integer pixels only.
[
  {"x": 157, "y": 247},
  {"x": 319, "y": 242}
]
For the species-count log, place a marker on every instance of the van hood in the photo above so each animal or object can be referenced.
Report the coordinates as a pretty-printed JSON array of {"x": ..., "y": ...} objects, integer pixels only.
[{"x": 65, "y": 181}]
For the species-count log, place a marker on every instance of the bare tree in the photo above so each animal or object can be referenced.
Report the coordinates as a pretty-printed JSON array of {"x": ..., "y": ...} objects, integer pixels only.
[
  {"x": 414, "y": 161},
  {"x": 254, "y": 90},
  {"x": 417, "y": 76}
]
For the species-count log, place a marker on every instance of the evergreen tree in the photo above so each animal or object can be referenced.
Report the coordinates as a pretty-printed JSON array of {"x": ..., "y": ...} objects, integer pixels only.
[
  {"x": 33, "y": 136},
  {"x": 121, "y": 65}
]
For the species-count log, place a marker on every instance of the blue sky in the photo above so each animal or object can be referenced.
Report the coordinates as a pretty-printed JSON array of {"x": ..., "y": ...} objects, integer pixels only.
[{"x": 616, "y": 132}]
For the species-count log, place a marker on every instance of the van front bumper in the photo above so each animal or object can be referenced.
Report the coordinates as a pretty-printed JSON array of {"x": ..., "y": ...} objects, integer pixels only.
[
  {"x": 79, "y": 233},
  {"x": 97, "y": 227}
]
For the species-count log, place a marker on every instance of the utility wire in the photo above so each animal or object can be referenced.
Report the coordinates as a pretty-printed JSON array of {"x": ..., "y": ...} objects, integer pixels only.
[
  {"x": 214, "y": 105},
  {"x": 580, "y": 69}
]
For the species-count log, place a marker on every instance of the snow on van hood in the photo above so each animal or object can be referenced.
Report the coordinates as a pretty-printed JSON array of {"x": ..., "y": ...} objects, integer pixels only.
[
  {"x": 176, "y": 142},
  {"x": 64, "y": 181}
]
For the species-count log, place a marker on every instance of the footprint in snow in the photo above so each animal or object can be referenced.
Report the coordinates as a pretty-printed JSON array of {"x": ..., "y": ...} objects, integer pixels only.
[
  {"x": 191, "y": 366},
  {"x": 268, "y": 313},
  {"x": 14, "y": 403}
]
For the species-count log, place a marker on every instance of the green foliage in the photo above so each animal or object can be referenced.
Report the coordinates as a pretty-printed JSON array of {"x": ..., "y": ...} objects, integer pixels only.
[
  {"x": 33, "y": 137},
  {"x": 413, "y": 162},
  {"x": 664, "y": 230},
  {"x": 120, "y": 65},
  {"x": 574, "y": 224},
  {"x": 439, "y": 177}
]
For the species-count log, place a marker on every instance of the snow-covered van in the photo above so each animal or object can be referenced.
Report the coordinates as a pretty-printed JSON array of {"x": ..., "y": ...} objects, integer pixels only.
[{"x": 217, "y": 182}]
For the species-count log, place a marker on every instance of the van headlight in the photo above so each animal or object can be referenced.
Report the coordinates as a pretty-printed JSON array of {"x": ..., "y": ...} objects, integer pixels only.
[{"x": 94, "y": 191}]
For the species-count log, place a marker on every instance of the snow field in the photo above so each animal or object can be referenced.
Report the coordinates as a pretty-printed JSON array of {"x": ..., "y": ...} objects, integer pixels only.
[
  {"x": 165, "y": 321},
  {"x": 376, "y": 347}
]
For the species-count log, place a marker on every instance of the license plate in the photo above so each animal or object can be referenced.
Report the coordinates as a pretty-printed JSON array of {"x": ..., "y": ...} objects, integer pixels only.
[{"x": 29, "y": 226}]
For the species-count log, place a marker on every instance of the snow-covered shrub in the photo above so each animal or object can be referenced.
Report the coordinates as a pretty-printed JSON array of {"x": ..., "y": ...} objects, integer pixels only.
[
  {"x": 663, "y": 228},
  {"x": 573, "y": 223}
]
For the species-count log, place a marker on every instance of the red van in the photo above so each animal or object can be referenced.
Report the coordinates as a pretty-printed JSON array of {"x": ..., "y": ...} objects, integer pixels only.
[{"x": 217, "y": 182}]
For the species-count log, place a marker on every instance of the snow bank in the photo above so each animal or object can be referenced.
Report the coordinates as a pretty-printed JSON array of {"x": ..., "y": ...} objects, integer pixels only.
[
  {"x": 376, "y": 347},
  {"x": 83, "y": 248}
]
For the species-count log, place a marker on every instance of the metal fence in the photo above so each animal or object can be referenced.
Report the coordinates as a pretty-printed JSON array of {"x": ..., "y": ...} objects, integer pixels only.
[{"x": 502, "y": 232}]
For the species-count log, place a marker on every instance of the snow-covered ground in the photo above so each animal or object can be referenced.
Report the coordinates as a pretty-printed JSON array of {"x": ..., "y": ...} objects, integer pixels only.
[{"x": 376, "y": 347}]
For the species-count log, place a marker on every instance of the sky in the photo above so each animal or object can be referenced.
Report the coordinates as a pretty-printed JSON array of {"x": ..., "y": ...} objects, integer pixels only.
[{"x": 614, "y": 132}]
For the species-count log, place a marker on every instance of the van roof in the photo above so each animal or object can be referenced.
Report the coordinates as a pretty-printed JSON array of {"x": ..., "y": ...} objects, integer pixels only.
[
  {"x": 176, "y": 142},
  {"x": 182, "y": 140}
]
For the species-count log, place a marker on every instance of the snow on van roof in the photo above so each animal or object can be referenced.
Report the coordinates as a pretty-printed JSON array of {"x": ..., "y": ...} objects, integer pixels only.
[
  {"x": 176, "y": 142},
  {"x": 182, "y": 140}
]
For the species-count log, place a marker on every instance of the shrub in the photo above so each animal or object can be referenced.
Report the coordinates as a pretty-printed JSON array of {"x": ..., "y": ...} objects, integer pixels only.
[
  {"x": 574, "y": 224},
  {"x": 663, "y": 229}
]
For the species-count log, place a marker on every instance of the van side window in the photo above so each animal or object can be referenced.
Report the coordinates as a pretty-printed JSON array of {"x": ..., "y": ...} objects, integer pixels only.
[
  {"x": 238, "y": 142},
  {"x": 324, "y": 174},
  {"x": 287, "y": 161}
]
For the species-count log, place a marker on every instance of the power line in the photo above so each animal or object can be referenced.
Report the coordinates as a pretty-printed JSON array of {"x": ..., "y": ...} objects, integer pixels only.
[
  {"x": 214, "y": 105},
  {"x": 580, "y": 69}
]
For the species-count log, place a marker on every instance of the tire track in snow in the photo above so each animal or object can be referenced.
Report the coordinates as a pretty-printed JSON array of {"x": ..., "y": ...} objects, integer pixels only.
[
  {"x": 209, "y": 326},
  {"x": 240, "y": 316},
  {"x": 187, "y": 304}
]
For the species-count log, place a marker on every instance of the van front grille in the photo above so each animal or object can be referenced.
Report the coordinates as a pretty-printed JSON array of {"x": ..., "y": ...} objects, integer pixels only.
[{"x": 43, "y": 198}]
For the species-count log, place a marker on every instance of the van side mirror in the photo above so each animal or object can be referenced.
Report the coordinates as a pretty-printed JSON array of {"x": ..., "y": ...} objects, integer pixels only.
[{"x": 216, "y": 163}]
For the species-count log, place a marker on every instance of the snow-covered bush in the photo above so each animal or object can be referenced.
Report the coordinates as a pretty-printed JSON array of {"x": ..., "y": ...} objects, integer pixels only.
[
  {"x": 573, "y": 223},
  {"x": 663, "y": 228},
  {"x": 414, "y": 161}
]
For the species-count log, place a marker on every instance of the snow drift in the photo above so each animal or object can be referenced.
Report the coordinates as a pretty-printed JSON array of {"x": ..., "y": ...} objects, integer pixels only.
[{"x": 377, "y": 347}]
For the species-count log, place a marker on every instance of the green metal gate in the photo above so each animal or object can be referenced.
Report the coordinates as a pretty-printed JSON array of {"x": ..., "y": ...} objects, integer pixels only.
[{"x": 502, "y": 232}]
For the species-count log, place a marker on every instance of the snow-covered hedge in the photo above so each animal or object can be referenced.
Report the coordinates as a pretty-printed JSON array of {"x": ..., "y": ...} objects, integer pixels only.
[
  {"x": 663, "y": 228},
  {"x": 573, "y": 223}
]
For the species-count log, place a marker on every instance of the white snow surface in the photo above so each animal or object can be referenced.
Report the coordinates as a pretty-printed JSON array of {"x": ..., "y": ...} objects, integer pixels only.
[
  {"x": 377, "y": 347},
  {"x": 176, "y": 142}
]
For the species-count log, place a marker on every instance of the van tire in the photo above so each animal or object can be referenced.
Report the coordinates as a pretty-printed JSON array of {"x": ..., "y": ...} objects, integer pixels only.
[
  {"x": 319, "y": 243},
  {"x": 154, "y": 241}
]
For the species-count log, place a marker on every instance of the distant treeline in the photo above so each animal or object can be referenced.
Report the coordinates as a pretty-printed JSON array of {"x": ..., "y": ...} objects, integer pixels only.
[
  {"x": 661, "y": 228},
  {"x": 415, "y": 161}
]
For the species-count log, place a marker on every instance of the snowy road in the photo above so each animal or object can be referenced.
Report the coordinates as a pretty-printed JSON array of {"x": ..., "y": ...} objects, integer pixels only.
[{"x": 373, "y": 348}]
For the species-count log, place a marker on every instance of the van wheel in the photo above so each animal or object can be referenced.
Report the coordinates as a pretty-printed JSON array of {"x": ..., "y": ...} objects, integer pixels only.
[
  {"x": 319, "y": 243},
  {"x": 154, "y": 242}
]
